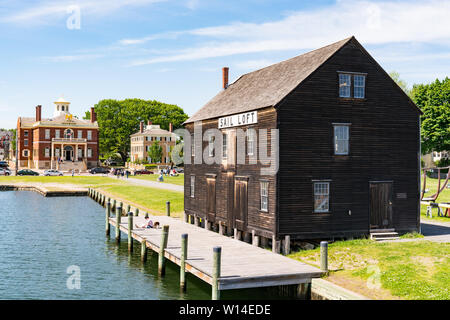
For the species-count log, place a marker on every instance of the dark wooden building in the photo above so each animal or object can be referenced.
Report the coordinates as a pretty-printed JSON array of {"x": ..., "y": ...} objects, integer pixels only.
[{"x": 349, "y": 150}]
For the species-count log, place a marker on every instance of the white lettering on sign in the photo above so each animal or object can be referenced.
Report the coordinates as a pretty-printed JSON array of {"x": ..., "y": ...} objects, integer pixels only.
[{"x": 238, "y": 119}]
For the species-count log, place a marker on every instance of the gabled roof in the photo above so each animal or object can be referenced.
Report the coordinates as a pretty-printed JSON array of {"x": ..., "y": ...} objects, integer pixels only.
[
  {"x": 153, "y": 129},
  {"x": 59, "y": 120},
  {"x": 266, "y": 87}
]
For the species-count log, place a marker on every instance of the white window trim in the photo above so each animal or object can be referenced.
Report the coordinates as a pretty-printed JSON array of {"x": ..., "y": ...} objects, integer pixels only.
[
  {"x": 363, "y": 86},
  {"x": 347, "y": 125},
  {"x": 224, "y": 145},
  {"x": 192, "y": 190},
  {"x": 251, "y": 134},
  {"x": 47, "y": 133},
  {"x": 264, "y": 193},
  {"x": 349, "y": 85},
  {"x": 327, "y": 183},
  {"x": 89, "y": 134},
  {"x": 211, "y": 146}
]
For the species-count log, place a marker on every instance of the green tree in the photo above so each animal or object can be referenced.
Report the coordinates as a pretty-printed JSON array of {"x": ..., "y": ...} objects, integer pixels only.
[
  {"x": 118, "y": 120},
  {"x": 87, "y": 115},
  {"x": 434, "y": 101},
  {"x": 155, "y": 152},
  {"x": 401, "y": 83}
]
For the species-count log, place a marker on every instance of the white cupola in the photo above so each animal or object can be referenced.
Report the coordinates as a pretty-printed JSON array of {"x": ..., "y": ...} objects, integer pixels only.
[{"x": 61, "y": 107}]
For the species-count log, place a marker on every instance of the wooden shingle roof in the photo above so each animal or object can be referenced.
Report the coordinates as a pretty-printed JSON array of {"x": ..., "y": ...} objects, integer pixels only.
[{"x": 266, "y": 87}]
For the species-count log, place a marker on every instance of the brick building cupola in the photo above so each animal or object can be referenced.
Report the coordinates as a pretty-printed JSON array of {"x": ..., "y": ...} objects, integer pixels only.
[{"x": 61, "y": 107}]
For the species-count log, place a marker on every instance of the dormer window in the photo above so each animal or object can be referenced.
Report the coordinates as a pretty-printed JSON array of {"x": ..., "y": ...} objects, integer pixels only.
[{"x": 352, "y": 85}]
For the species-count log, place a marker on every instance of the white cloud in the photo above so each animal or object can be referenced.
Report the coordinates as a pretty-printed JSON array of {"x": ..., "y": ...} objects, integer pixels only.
[
  {"x": 371, "y": 22},
  {"x": 59, "y": 9}
]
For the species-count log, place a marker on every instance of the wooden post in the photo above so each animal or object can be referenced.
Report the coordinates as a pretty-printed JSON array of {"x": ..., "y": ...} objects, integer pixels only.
[
  {"x": 108, "y": 214},
  {"x": 196, "y": 221},
  {"x": 168, "y": 208},
  {"x": 118, "y": 215},
  {"x": 144, "y": 250},
  {"x": 217, "y": 252},
  {"x": 121, "y": 205},
  {"x": 186, "y": 217},
  {"x": 162, "y": 247},
  {"x": 220, "y": 228},
  {"x": 130, "y": 229},
  {"x": 136, "y": 212},
  {"x": 128, "y": 208},
  {"x": 146, "y": 214},
  {"x": 255, "y": 239},
  {"x": 324, "y": 256},
  {"x": 184, "y": 252},
  {"x": 287, "y": 245},
  {"x": 114, "y": 205},
  {"x": 207, "y": 225}
]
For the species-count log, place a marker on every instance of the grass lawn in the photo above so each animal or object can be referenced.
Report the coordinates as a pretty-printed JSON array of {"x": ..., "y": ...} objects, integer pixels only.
[
  {"x": 152, "y": 199},
  {"x": 179, "y": 180},
  {"x": 407, "y": 270},
  {"x": 443, "y": 197}
]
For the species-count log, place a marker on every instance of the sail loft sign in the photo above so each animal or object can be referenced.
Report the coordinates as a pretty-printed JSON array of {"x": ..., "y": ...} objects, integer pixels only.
[{"x": 238, "y": 120}]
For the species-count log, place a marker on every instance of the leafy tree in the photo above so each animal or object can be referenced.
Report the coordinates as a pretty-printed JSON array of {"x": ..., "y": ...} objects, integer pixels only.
[
  {"x": 118, "y": 120},
  {"x": 401, "y": 83},
  {"x": 434, "y": 100},
  {"x": 155, "y": 152},
  {"x": 87, "y": 115}
]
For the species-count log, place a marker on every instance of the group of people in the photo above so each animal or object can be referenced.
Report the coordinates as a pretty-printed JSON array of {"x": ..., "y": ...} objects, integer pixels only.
[{"x": 148, "y": 224}]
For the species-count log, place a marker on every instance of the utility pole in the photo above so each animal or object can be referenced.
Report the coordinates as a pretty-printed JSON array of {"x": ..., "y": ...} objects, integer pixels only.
[{"x": 17, "y": 148}]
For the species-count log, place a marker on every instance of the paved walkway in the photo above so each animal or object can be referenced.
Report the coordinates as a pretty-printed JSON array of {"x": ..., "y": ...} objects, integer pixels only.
[
  {"x": 154, "y": 184},
  {"x": 433, "y": 231}
]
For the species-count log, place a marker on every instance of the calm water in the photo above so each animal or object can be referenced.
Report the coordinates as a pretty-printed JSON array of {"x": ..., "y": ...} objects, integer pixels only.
[{"x": 41, "y": 237}]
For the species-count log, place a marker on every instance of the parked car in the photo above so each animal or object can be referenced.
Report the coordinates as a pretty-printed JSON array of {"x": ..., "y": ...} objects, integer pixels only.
[
  {"x": 138, "y": 172},
  {"x": 27, "y": 172},
  {"x": 99, "y": 170},
  {"x": 52, "y": 173},
  {"x": 3, "y": 164},
  {"x": 5, "y": 172}
]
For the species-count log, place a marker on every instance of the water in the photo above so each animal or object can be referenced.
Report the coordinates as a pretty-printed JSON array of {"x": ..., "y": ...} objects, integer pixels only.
[{"x": 42, "y": 237}]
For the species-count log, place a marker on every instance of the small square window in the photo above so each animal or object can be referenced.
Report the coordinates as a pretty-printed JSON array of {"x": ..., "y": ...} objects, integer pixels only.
[{"x": 321, "y": 197}]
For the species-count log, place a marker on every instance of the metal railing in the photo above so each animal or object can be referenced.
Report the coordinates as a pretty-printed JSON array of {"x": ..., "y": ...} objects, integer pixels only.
[{"x": 69, "y": 140}]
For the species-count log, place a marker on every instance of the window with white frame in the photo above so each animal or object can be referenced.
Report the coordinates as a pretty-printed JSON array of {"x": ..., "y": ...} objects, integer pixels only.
[
  {"x": 47, "y": 133},
  {"x": 57, "y": 134},
  {"x": 25, "y": 133},
  {"x": 192, "y": 186},
  {"x": 25, "y": 153},
  {"x": 359, "y": 82},
  {"x": 344, "y": 85},
  {"x": 321, "y": 197},
  {"x": 192, "y": 145},
  {"x": 341, "y": 139},
  {"x": 224, "y": 145},
  {"x": 68, "y": 134},
  {"x": 89, "y": 152},
  {"x": 89, "y": 135},
  {"x": 250, "y": 142},
  {"x": 80, "y": 153},
  {"x": 25, "y": 142},
  {"x": 80, "y": 134},
  {"x": 211, "y": 146},
  {"x": 47, "y": 152},
  {"x": 57, "y": 152},
  {"x": 264, "y": 196}
]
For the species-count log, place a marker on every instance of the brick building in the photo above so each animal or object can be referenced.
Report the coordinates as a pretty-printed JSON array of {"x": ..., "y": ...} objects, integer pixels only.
[{"x": 42, "y": 142}]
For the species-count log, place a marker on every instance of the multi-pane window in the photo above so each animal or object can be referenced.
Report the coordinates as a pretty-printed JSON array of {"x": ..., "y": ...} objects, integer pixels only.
[
  {"x": 57, "y": 152},
  {"x": 344, "y": 85},
  {"x": 47, "y": 133},
  {"x": 211, "y": 146},
  {"x": 224, "y": 146},
  {"x": 89, "y": 152},
  {"x": 57, "y": 134},
  {"x": 358, "y": 86},
  {"x": 80, "y": 134},
  {"x": 250, "y": 142},
  {"x": 80, "y": 153},
  {"x": 25, "y": 142},
  {"x": 341, "y": 139},
  {"x": 192, "y": 186},
  {"x": 89, "y": 135},
  {"x": 25, "y": 133},
  {"x": 192, "y": 145},
  {"x": 25, "y": 153},
  {"x": 47, "y": 152},
  {"x": 352, "y": 85},
  {"x": 321, "y": 197},
  {"x": 264, "y": 196}
]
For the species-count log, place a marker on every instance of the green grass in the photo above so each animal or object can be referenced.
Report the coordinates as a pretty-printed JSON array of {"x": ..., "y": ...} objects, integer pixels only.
[
  {"x": 179, "y": 180},
  {"x": 152, "y": 199},
  {"x": 411, "y": 235},
  {"x": 444, "y": 196},
  {"x": 418, "y": 270}
]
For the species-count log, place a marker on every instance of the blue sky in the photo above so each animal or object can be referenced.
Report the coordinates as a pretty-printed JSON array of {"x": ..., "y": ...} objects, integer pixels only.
[{"x": 173, "y": 50}]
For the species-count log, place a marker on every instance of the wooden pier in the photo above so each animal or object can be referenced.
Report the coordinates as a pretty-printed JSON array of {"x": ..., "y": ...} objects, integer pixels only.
[{"x": 242, "y": 265}]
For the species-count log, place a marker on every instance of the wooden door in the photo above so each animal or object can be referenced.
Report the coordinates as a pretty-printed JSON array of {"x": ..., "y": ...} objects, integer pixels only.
[
  {"x": 240, "y": 205},
  {"x": 381, "y": 205},
  {"x": 211, "y": 198}
]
